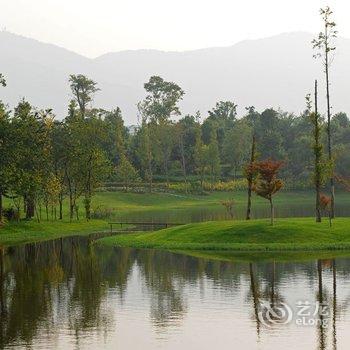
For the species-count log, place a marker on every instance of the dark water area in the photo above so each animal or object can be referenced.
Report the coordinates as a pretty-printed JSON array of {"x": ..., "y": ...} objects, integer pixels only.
[
  {"x": 72, "y": 294},
  {"x": 210, "y": 213}
]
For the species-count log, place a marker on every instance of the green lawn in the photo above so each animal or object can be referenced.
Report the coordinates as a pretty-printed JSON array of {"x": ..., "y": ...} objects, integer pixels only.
[
  {"x": 256, "y": 235},
  {"x": 32, "y": 231},
  {"x": 122, "y": 204}
]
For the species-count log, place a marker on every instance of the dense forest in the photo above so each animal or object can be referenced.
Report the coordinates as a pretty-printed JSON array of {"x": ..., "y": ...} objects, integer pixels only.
[{"x": 45, "y": 160}]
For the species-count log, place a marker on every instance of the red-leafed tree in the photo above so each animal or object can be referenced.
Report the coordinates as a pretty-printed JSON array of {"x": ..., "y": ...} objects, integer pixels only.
[{"x": 267, "y": 183}]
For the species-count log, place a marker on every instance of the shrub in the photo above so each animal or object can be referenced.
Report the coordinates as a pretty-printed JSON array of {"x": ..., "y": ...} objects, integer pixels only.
[
  {"x": 11, "y": 214},
  {"x": 101, "y": 212}
]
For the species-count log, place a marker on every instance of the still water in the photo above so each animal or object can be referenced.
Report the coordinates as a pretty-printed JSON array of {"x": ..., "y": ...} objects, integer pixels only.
[
  {"x": 218, "y": 212},
  {"x": 71, "y": 294}
]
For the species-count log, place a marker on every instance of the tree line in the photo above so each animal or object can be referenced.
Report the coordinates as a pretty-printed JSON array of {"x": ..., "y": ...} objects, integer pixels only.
[{"x": 44, "y": 161}]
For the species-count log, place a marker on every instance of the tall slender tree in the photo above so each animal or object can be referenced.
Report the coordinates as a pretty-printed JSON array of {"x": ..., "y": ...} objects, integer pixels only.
[
  {"x": 324, "y": 44},
  {"x": 317, "y": 148},
  {"x": 249, "y": 173}
]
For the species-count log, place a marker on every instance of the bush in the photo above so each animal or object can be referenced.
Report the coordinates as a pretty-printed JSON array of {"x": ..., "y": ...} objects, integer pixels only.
[
  {"x": 102, "y": 213},
  {"x": 234, "y": 185},
  {"x": 11, "y": 214}
]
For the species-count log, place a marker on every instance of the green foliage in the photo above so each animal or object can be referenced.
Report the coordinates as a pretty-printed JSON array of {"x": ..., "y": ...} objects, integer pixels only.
[
  {"x": 2, "y": 80},
  {"x": 83, "y": 90},
  {"x": 126, "y": 173}
]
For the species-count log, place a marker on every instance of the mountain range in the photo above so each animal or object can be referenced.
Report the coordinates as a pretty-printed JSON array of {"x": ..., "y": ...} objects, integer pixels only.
[{"x": 272, "y": 72}]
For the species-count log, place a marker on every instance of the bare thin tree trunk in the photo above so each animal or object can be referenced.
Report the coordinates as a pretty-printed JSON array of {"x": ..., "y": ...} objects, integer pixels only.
[
  {"x": 1, "y": 206},
  {"x": 183, "y": 161},
  {"x": 250, "y": 180},
  {"x": 60, "y": 201},
  {"x": 272, "y": 211},
  {"x": 317, "y": 160},
  {"x": 330, "y": 155}
]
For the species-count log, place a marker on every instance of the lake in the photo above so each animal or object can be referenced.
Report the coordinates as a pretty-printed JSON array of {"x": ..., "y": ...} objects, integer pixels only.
[
  {"x": 218, "y": 212},
  {"x": 72, "y": 294}
]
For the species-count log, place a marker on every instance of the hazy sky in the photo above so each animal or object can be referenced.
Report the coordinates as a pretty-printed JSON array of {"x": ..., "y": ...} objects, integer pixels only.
[{"x": 92, "y": 27}]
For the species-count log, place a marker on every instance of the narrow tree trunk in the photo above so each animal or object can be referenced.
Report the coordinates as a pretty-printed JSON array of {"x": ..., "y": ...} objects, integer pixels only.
[
  {"x": 330, "y": 156},
  {"x": 60, "y": 201},
  {"x": 183, "y": 162},
  {"x": 250, "y": 180},
  {"x": 317, "y": 151},
  {"x": 249, "y": 205},
  {"x": 71, "y": 207},
  {"x": 2, "y": 278},
  {"x": 87, "y": 203},
  {"x": 1, "y": 218},
  {"x": 271, "y": 211},
  {"x": 30, "y": 207}
]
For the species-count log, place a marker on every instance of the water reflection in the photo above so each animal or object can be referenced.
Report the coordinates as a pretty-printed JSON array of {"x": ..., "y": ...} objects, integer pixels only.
[
  {"x": 210, "y": 213},
  {"x": 71, "y": 294}
]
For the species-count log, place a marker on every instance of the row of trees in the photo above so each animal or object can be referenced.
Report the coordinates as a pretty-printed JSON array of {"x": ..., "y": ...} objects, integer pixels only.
[{"x": 44, "y": 160}]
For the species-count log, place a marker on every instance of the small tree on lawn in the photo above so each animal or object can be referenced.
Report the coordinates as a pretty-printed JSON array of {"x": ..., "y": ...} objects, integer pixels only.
[
  {"x": 267, "y": 183},
  {"x": 229, "y": 207}
]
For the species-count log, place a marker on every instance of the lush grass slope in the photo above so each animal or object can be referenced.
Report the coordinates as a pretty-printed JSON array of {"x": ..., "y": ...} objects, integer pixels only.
[
  {"x": 122, "y": 204},
  {"x": 286, "y": 234},
  {"x": 32, "y": 231}
]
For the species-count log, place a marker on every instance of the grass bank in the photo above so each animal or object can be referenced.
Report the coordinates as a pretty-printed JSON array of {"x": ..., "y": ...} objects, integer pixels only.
[
  {"x": 32, "y": 231},
  {"x": 296, "y": 234},
  {"x": 147, "y": 207}
]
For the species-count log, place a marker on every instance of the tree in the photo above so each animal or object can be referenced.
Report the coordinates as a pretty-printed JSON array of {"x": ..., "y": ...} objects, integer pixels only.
[
  {"x": 160, "y": 104},
  {"x": 180, "y": 136},
  {"x": 221, "y": 119},
  {"x": 126, "y": 172},
  {"x": 325, "y": 46},
  {"x": 213, "y": 158},
  {"x": 250, "y": 173},
  {"x": 145, "y": 153},
  {"x": 2, "y": 80},
  {"x": 229, "y": 207},
  {"x": 317, "y": 148},
  {"x": 115, "y": 143},
  {"x": 83, "y": 89},
  {"x": 29, "y": 163},
  {"x": 6, "y": 153},
  {"x": 267, "y": 183},
  {"x": 200, "y": 152},
  {"x": 236, "y": 145}
]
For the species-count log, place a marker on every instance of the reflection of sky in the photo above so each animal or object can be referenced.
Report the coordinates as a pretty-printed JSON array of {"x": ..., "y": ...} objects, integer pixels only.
[
  {"x": 172, "y": 301},
  {"x": 215, "y": 318}
]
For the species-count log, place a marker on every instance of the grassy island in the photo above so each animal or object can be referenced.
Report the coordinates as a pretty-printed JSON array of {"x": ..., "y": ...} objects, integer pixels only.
[{"x": 287, "y": 234}]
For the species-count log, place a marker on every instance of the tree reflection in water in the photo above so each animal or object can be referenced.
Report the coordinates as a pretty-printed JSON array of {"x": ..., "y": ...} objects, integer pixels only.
[{"x": 72, "y": 286}]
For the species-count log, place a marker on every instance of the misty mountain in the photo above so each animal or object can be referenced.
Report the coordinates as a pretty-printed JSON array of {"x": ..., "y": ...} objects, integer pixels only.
[{"x": 272, "y": 72}]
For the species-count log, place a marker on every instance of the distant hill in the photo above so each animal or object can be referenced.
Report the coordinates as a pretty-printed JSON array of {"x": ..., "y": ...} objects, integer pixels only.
[{"x": 276, "y": 71}]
